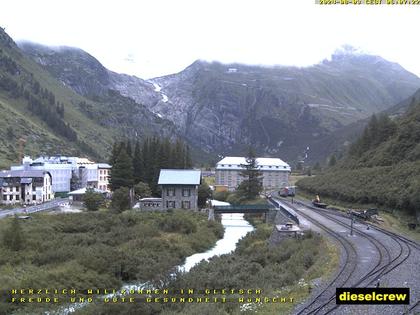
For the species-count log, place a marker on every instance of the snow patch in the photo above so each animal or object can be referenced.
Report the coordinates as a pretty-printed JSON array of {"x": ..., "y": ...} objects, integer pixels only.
[{"x": 157, "y": 87}]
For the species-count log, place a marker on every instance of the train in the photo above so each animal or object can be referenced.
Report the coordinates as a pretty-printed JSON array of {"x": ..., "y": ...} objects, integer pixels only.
[{"x": 288, "y": 191}]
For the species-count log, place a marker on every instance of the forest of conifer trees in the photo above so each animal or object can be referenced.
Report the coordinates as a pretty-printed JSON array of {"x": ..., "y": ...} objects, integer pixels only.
[{"x": 142, "y": 161}]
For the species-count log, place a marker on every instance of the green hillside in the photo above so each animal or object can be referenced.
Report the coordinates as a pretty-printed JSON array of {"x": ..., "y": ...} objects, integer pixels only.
[
  {"x": 381, "y": 167},
  {"x": 53, "y": 119}
]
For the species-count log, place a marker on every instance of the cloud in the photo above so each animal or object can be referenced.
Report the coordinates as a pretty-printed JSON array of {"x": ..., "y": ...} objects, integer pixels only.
[{"x": 166, "y": 36}]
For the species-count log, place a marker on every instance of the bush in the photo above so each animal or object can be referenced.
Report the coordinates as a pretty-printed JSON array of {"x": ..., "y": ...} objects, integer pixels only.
[
  {"x": 178, "y": 223},
  {"x": 13, "y": 236},
  {"x": 99, "y": 250},
  {"x": 120, "y": 199},
  {"x": 234, "y": 199},
  {"x": 142, "y": 190},
  {"x": 93, "y": 200},
  {"x": 221, "y": 195}
]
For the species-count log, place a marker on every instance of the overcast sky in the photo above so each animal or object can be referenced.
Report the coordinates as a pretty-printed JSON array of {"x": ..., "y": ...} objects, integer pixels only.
[{"x": 158, "y": 37}]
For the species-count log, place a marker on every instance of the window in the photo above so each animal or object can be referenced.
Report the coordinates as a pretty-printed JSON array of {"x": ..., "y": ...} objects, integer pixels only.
[
  {"x": 170, "y": 204},
  {"x": 186, "y": 205},
  {"x": 170, "y": 192},
  {"x": 34, "y": 197},
  {"x": 4, "y": 197},
  {"x": 17, "y": 189},
  {"x": 17, "y": 197},
  {"x": 186, "y": 192}
]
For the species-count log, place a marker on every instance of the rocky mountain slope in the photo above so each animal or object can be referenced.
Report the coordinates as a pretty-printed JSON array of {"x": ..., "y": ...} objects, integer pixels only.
[
  {"x": 223, "y": 108},
  {"x": 282, "y": 110},
  {"x": 86, "y": 75},
  {"x": 48, "y": 117}
]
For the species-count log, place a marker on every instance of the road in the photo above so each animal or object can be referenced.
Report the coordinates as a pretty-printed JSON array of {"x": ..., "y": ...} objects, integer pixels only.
[
  {"x": 32, "y": 209},
  {"x": 368, "y": 256}
]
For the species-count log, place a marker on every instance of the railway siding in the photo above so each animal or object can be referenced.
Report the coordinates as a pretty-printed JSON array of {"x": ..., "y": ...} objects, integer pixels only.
[{"x": 370, "y": 255}]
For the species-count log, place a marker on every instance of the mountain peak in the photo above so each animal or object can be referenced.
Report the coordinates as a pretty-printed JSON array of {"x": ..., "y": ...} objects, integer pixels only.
[
  {"x": 197, "y": 65},
  {"x": 346, "y": 50}
]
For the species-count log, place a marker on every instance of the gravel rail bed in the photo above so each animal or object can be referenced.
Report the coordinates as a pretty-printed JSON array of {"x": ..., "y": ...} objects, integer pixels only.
[{"x": 379, "y": 257}]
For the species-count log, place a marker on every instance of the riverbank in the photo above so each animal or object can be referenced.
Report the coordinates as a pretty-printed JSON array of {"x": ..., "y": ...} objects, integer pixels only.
[
  {"x": 282, "y": 275},
  {"x": 99, "y": 250}
]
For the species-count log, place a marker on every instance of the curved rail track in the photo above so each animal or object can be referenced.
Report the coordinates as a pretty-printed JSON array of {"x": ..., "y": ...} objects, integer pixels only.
[{"x": 324, "y": 301}]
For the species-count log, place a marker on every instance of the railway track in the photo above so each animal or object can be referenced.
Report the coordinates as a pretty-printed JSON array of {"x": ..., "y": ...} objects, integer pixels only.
[
  {"x": 324, "y": 302},
  {"x": 404, "y": 244}
]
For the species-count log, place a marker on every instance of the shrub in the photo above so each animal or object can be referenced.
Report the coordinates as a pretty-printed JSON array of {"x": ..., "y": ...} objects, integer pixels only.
[
  {"x": 178, "y": 223},
  {"x": 142, "y": 190},
  {"x": 221, "y": 195},
  {"x": 93, "y": 200},
  {"x": 13, "y": 236},
  {"x": 120, "y": 199}
]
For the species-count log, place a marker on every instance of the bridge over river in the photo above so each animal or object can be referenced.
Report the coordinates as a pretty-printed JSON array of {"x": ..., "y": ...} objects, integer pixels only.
[
  {"x": 245, "y": 209},
  {"x": 271, "y": 210}
]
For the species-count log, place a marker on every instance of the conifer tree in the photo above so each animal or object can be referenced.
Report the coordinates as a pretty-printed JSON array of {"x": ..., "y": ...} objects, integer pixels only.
[
  {"x": 332, "y": 161},
  {"x": 128, "y": 148},
  {"x": 251, "y": 186},
  {"x": 188, "y": 160},
  {"x": 122, "y": 171},
  {"x": 164, "y": 154},
  {"x": 149, "y": 157},
  {"x": 114, "y": 153},
  {"x": 178, "y": 154},
  {"x": 204, "y": 192},
  {"x": 138, "y": 165}
]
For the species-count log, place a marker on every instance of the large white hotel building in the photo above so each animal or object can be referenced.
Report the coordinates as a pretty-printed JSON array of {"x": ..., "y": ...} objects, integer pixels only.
[{"x": 275, "y": 172}]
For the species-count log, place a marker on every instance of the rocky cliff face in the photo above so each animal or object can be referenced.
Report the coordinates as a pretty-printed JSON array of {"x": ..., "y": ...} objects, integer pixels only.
[
  {"x": 281, "y": 110},
  {"x": 122, "y": 96},
  {"x": 223, "y": 108},
  {"x": 86, "y": 75}
]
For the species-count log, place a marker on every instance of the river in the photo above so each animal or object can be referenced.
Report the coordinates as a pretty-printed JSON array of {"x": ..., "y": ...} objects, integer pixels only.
[{"x": 235, "y": 226}]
